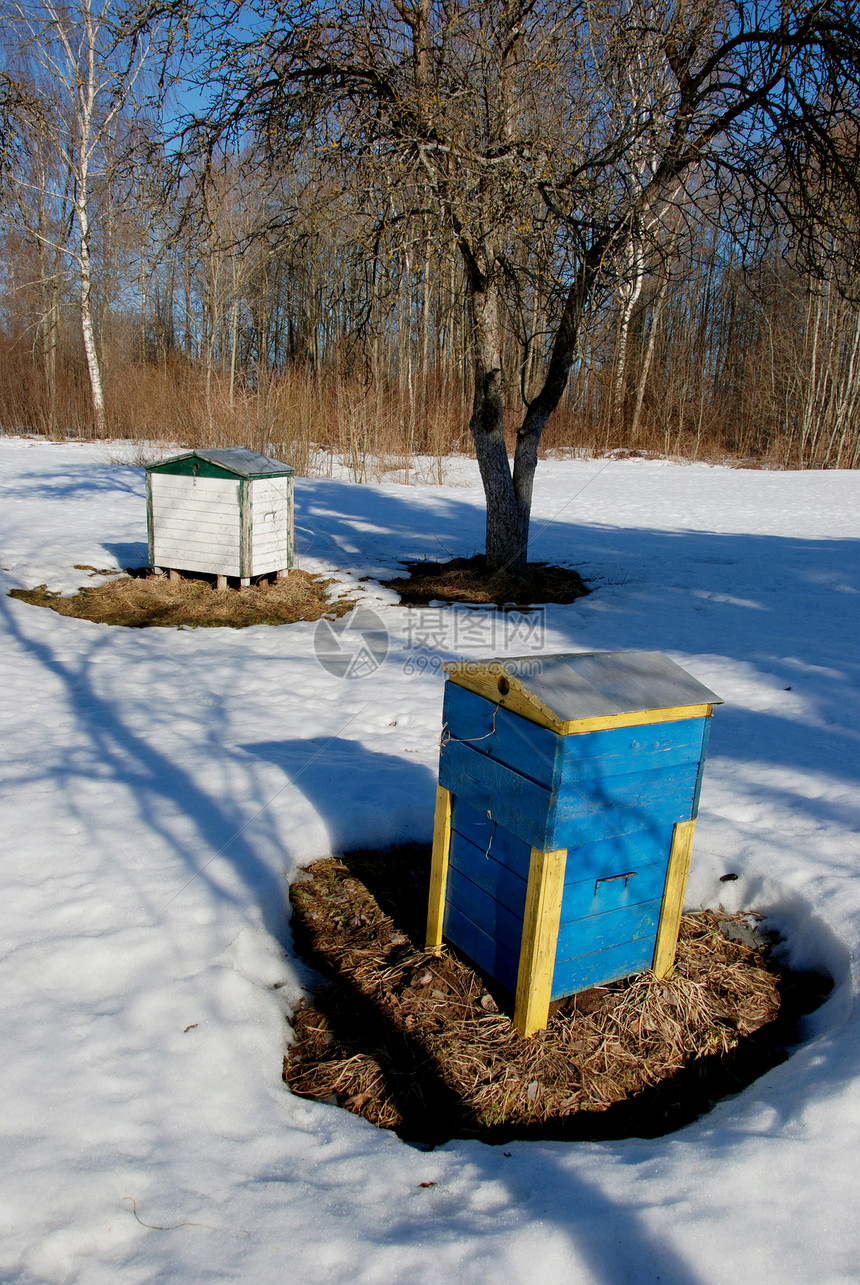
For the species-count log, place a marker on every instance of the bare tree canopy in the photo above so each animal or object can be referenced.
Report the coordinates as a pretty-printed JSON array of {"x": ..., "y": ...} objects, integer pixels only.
[{"x": 595, "y": 129}]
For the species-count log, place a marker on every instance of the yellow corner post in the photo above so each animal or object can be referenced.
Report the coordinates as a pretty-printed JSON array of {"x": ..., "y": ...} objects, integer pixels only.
[
  {"x": 439, "y": 869},
  {"x": 673, "y": 897},
  {"x": 539, "y": 941}
]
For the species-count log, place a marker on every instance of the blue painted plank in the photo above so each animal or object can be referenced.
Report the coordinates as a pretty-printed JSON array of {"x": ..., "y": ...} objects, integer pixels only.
[
  {"x": 518, "y": 804},
  {"x": 597, "y": 896},
  {"x": 600, "y": 967},
  {"x": 500, "y": 923},
  {"x": 659, "y": 746},
  {"x": 489, "y": 955},
  {"x": 636, "y": 800},
  {"x": 698, "y": 790},
  {"x": 488, "y": 836},
  {"x": 490, "y": 875},
  {"x": 496, "y": 733},
  {"x": 581, "y": 832},
  {"x": 615, "y": 854},
  {"x": 597, "y": 932}
]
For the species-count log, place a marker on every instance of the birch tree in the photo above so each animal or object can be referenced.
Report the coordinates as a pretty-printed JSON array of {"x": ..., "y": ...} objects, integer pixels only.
[{"x": 85, "y": 71}]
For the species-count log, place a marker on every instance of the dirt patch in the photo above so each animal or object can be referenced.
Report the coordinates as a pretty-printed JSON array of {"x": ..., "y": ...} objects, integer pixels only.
[
  {"x": 140, "y": 601},
  {"x": 425, "y": 1046},
  {"x": 468, "y": 580}
]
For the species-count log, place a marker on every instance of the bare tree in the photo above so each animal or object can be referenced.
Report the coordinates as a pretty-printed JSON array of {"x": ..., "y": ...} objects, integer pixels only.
[
  {"x": 85, "y": 67},
  {"x": 588, "y": 125}
]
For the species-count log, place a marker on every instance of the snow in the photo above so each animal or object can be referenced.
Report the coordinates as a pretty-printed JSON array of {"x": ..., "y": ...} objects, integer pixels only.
[{"x": 159, "y": 787}]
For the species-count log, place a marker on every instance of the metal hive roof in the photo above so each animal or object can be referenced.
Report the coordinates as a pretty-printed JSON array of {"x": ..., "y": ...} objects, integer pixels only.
[
  {"x": 583, "y": 685},
  {"x": 238, "y": 460}
]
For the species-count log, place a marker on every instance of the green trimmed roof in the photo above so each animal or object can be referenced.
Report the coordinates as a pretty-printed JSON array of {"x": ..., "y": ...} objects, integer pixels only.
[{"x": 232, "y": 462}]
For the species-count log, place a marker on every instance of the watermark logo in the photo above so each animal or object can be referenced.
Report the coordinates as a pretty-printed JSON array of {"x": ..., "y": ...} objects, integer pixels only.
[
  {"x": 353, "y": 646},
  {"x": 434, "y": 635},
  {"x": 357, "y": 644}
]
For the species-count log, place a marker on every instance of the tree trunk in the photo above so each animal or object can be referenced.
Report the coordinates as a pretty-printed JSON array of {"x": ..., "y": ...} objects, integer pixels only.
[
  {"x": 542, "y": 406},
  {"x": 504, "y": 549},
  {"x": 646, "y": 364},
  {"x": 87, "y": 327}
]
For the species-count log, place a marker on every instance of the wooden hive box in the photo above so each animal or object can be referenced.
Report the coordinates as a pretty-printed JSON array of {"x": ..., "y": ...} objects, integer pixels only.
[
  {"x": 568, "y": 792},
  {"x": 224, "y": 512}
]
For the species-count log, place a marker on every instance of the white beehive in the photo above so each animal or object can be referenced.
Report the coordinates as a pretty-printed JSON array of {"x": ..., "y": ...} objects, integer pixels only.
[{"x": 223, "y": 512}]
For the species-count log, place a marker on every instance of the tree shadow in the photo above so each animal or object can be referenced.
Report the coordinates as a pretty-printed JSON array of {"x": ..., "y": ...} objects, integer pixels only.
[
  {"x": 331, "y": 769},
  {"x": 170, "y": 803}
]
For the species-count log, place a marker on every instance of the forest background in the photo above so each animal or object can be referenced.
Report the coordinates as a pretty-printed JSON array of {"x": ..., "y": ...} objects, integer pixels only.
[{"x": 168, "y": 274}]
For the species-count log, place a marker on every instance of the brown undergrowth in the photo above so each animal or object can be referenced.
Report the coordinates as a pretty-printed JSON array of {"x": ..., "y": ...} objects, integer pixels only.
[
  {"x": 424, "y": 1045},
  {"x": 142, "y": 601},
  {"x": 468, "y": 580}
]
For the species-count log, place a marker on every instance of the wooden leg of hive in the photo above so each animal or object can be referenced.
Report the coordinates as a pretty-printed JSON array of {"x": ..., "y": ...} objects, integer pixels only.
[
  {"x": 173, "y": 576},
  {"x": 220, "y": 583},
  {"x": 439, "y": 869},
  {"x": 540, "y": 938},
  {"x": 673, "y": 898},
  {"x": 244, "y": 581}
]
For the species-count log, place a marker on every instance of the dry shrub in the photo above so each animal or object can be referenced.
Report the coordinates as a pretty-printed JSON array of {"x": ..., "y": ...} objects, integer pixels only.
[
  {"x": 143, "y": 601},
  {"x": 419, "y": 1043},
  {"x": 467, "y": 580}
]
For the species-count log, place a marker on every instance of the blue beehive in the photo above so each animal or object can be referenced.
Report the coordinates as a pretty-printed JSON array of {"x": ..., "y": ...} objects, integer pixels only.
[{"x": 568, "y": 791}]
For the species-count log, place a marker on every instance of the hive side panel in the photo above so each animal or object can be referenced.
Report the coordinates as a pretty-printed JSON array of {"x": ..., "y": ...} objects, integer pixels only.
[
  {"x": 270, "y": 526},
  {"x": 617, "y": 854},
  {"x": 486, "y": 892},
  {"x": 633, "y": 882},
  {"x": 491, "y": 915},
  {"x": 600, "y": 967},
  {"x": 706, "y": 734},
  {"x": 598, "y": 826},
  {"x": 490, "y": 955},
  {"x": 491, "y": 838},
  {"x": 597, "y": 932},
  {"x": 515, "y": 802},
  {"x": 623, "y": 804},
  {"x": 596, "y": 755},
  {"x": 195, "y": 523},
  {"x": 489, "y": 872},
  {"x": 495, "y": 733}
]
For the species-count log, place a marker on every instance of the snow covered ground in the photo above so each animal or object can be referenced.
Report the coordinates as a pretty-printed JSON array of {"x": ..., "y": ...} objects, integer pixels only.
[{"x": 160, "y": 786}]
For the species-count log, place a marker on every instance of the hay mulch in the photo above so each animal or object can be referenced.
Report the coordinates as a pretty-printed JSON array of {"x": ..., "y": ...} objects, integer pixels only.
[
  {"x": 468, "y": 580},
  {"x": 141, "y": 601},
  {"x": 423, "y": 1045}
]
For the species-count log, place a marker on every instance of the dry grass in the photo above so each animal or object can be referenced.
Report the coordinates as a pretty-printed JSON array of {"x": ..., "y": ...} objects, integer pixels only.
[
  {"x": 143, "y": 601},
  {"x": 467, "y": 580},
  {"x": 420, "y": 1044}
]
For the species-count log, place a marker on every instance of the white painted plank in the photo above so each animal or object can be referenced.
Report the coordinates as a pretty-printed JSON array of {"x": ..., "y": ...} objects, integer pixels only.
[
  {"x": 266, "y": 566},
  {"x": 203, "y": 531},
  {"x": 194, "y": 507},
  {"x": 267, "y": 490},
  {"x": 165, "y": 484},
  {"x": 269, "y": 517},
  {"x": 211, "y": 566},
  {"x": 270, "y": 551},
  {"x": 270, "y": 544},
  {"x": 197, "y": 548},
  {"x": 205, "y": 525},
  {"x": 270, "y": 534}
]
